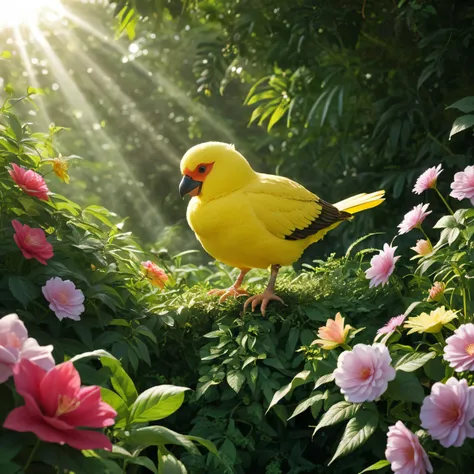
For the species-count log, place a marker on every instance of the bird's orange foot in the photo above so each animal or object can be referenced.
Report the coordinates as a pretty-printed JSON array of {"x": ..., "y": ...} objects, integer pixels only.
[
  {"x": 224, "y": 294},
  {"x": 262, "y": 299}
]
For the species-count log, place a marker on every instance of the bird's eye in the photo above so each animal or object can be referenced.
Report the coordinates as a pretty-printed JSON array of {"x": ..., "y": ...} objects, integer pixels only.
[{"x": 202, "y": 169}]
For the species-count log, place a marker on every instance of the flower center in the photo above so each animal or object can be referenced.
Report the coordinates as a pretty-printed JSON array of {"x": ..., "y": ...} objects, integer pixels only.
[
  {"x": 409, "y": 452},
  {"x": 13, "y": 341},
  {"x": 470, "y": 349},
  {"x": 62, "y": 298},
  {"x": 365, "y": 373},
  {"x": 31, "y": 240},
  {"x": 66, "y": 405}
]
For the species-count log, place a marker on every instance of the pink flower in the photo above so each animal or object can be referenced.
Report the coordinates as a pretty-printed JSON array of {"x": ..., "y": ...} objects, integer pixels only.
[
  {"x": 56, "y": 405},
  {"x": 427, "y": 179},
  {"x": 392, "y": 324},
  {"x": 436, "y": 291},
  {"x": 16, "y": 345},
  {"x": 156, "y": 274},
  {"x": 65, "y": 300},
  {"x": 32, "y": 242},
  {"x": 404, "y": 451},
  {"x": 448, "y": 411},
  {"x": 333, "y": 334},
  {"x": 363, "y": 373},
  {"x": 463, "y": 185},
  {"x": 31, "y": 182},
  {"x": 414, "y": 218},
  {"x": 422, "y": 247},
  {"x": 459, "y": 350},
  {"x": 382, "y": 266}
]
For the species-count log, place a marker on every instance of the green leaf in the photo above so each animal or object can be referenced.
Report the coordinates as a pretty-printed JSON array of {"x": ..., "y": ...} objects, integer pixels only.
[
  {"x": 291, "y": 342},
  {"x": 159, "y": 436},
  {"x": 235, "y": 378},
  {"x": 465, "y": 105},
  {"x": 120, "y": 380},
  {"x": 299, "y": 379},
  {"x": 323, "y": 380},
  {"x": 446, "y": 222},
  {"x": 23, "y": 290},
  {"x": 157, "y": 403},
  {"x": 305, "y": 404},
  {"x": 116, "y": 402},
  {"x": 145, "y": 462},
  {"x": 338, "y": 412},
  {"x": 99, "y": 353},
  {"x": 209, "y": 445},
  {"x": 412, "y": 361},
  {"x": 277, "y": 114},
  {"x": 168, "y": 464},
  {"x": 375, "y": 467},
  {"x": 358, "y": 431},
  {"x": 145, "y": 331},
  {"x": 461, "y": 123},
  {"x": 434, "y": 369},
  {"x": 15, "y": 125},
  {"x": 406, "y": 387}
]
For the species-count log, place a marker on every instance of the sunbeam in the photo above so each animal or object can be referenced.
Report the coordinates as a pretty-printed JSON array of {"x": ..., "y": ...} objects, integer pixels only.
[{"x": 27, "y": 12}]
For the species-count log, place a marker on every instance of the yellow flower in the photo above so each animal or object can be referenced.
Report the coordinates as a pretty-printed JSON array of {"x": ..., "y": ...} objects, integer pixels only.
[
  {"x": 60, "y": 167},
  {"x": 431, "y": 323},
  {"x": 333, "y": 334}
]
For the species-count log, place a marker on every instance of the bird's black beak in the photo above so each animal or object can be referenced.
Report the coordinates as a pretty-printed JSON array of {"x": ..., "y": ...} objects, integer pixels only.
[{"x": 188, "y": 185}]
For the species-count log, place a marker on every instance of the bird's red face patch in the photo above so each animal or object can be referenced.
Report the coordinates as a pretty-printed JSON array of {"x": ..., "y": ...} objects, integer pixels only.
[
  {"x": 191, "y": 183},
  {"x": 200, "y": 172}
]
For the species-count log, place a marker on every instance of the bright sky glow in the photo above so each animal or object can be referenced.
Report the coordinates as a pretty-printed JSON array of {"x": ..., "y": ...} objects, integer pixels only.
[{"x": 27, "y": 12}]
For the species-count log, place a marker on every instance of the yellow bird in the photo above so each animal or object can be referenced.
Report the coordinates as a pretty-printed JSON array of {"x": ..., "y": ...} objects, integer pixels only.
[{"x": 251, "y": 220}]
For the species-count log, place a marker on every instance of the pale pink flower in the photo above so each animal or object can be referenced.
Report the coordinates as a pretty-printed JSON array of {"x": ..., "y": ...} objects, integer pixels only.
[
  {"x": 16, "y": 345},
  {"x": 382, "y": 266},
  {"x": 392, "y": 325},
  {"x": 57, "y": 407},
  {"x": 463, "y": 185},
  {"x": 459, "y": 350},
  {"x": 423, "y": 247},
  {"x": 32, "y": 242},
  {"x": 155, "y": 274},
  {"x": 333, "y": 334},
  {"x": 427, "y": 179},
  {"x": 414, "y": 218},
  {"x": 404, "y": 451},
  {"x": 363, "y": 373},
  {"x": 64, "y": 299},
  {"x": 30, "y": 181},
  {"x": 447, "y": 412},
  {"x": 436, "y": 291}
]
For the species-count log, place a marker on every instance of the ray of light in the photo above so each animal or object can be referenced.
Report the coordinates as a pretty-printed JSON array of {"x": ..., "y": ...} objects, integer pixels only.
[
  {"x": 44, "y": 115},
  {"x": 77, "y": 100},
  {"x": 159, "y": 79}
]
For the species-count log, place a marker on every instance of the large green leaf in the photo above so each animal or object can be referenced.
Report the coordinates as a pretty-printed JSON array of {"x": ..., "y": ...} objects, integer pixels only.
[
  {"x": 299, "y": 379},
  {"x": 309, "y": 402},
  {"x": 235, "y": 378},
  {"x": 461, "y": 123},
  {"x": 337, "y": 413},
  {"x": 168, "y": 464},
  {"x": 23, "y": 289},
  {"x": 157, "y": 403},
  {"x": 358, "y": 431},
  {"x": 120, "y": 380},
  {"x": 466, "y": 105},
  {"x": 405, "y": 387},
  {"x": 118, "y": 404},
  {"x": 375, "y": 467},
  {"x": 414, "y": 360}
]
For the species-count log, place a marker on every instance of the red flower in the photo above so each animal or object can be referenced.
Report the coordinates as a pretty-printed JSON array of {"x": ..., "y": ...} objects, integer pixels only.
[
  {"x": 32, "y": 242},
  {"x": 157, "y": 275},
  {"x": 56, "y": 405},
  {"x": 30, "y": 181}
]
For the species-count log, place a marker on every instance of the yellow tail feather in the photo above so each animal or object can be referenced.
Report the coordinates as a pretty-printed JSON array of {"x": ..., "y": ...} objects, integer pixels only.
[{"x": 361, "y": 202}]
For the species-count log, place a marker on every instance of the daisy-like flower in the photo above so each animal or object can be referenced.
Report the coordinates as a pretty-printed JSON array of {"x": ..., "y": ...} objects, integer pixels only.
[
  {"x": 414, "y": 218},
  {"x": 459, "y": 350},
  {"x": 427, "y": 179},
  {"x": 333, "y": 334},
  {"x": 422, "y": 247},
  {"x": 382, "y": 266},
  {"x": 392, "y": 325},
  {"x": 430, "y": 323},
  {"x": 463, "y": 185}
]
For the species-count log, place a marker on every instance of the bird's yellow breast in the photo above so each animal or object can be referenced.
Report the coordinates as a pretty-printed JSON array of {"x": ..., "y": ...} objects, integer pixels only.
[{"x": 231, "y": 232}]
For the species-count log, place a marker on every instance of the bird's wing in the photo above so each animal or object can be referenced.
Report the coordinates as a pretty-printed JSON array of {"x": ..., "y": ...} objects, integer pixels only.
[{"x": 288, "y": 210}]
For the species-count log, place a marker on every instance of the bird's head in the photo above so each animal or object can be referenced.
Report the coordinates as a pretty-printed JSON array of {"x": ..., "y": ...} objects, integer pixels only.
[{"x": 213, "y": 169}]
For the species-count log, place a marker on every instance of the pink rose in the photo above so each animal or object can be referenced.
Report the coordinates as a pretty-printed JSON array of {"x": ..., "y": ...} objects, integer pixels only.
[
  {"x": 404, "y": 451},
  {"x": 65, "y": 300},
  {"x": 459, "y": 350},
  {"x": 16, "y": 345},
  {"x": 363, "y": 373},
  {"x": 463, "y": 185},
  {"x": 31, "y": 182},
  {"x": 32, "y": 242},
  {"x": 56, "y": 406},
  {"x": 448, "y": 411}
]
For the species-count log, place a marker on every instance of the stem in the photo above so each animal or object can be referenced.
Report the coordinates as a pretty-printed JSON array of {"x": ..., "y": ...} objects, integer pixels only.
[
  {"x": 30, "y": 458},
  {"x": 464, "y": 302},
  {"x": 424, "y": 233},
  {"x": 444, "y": 200},
  {"x": 442, "y": 145}
]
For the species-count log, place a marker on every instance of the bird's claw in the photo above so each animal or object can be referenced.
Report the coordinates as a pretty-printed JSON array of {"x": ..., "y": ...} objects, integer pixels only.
[
  {"x": 263, "y": 299},
  {"x": 227, "y": 293}
]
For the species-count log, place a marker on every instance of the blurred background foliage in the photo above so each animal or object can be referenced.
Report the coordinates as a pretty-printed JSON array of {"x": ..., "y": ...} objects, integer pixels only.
[{"x": 342, "y": 96}]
